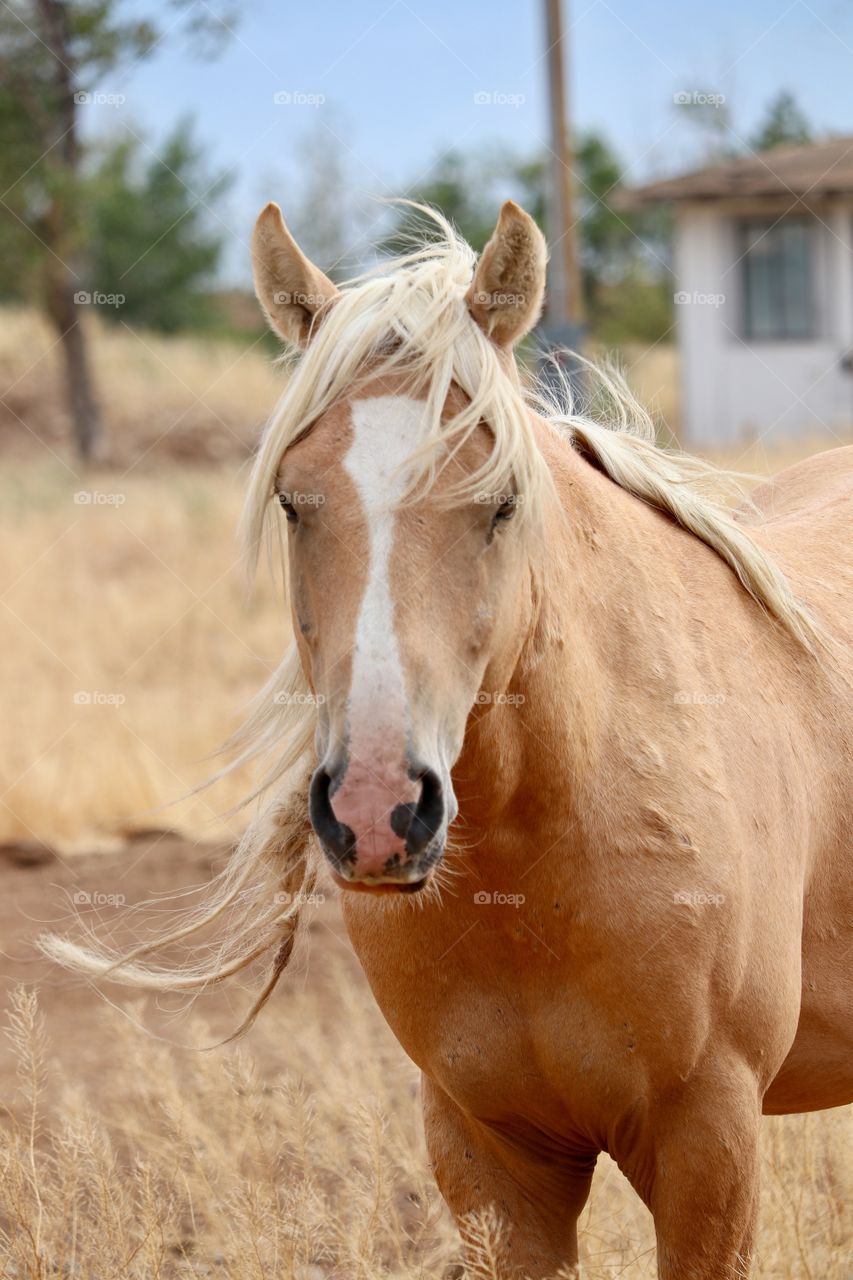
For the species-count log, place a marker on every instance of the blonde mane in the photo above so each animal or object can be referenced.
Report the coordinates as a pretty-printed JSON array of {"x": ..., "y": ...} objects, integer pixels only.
[{"x": 410, "y": 315}]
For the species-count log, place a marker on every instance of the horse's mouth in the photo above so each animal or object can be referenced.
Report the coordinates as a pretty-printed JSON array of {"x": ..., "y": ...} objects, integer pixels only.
[{"x": 379, "y": 884}]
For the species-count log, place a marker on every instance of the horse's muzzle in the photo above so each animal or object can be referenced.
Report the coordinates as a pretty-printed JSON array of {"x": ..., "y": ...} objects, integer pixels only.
[{"x": 377, "y": 835}]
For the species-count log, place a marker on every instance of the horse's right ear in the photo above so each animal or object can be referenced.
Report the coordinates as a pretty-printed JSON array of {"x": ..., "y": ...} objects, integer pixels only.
[{"x": 290, "y": 289}]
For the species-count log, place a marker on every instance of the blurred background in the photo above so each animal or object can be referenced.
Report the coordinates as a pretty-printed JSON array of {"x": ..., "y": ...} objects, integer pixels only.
[{"x": 693, "y": 172}]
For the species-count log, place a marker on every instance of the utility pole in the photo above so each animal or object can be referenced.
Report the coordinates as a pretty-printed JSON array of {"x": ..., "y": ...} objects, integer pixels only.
[{"x": 563, "y": 327}]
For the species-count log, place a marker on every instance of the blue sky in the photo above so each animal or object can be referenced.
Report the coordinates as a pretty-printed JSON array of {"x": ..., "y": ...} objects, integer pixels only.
[{"x": 398, "y": 82}]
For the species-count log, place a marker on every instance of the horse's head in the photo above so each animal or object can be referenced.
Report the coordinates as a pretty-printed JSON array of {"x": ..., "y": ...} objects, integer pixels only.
[{"x": 409, "y": 577}]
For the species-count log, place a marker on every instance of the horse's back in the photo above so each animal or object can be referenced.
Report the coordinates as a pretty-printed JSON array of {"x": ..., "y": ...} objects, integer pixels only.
[
  {"x": 819, "y": 486},
  {"x": 804, "y": 518}
]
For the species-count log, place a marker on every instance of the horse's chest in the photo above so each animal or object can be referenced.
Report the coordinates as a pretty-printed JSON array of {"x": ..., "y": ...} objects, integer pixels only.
[
  {"x": 503, "y": 1039},
  {"x": 475, "y": 1043}
]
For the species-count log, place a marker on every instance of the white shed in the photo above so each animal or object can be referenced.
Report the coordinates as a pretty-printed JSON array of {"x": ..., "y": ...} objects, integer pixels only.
[{"x": 763, "y": 262}]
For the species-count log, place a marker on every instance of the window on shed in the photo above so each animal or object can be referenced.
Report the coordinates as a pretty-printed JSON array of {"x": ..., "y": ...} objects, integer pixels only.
[{"x": 777, "y": 261}]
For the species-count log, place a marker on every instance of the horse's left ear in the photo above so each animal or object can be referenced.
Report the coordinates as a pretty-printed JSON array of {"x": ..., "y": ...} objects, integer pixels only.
[
  {"x": 290, "y": 289},
  {"x": 505, "y": 297}
]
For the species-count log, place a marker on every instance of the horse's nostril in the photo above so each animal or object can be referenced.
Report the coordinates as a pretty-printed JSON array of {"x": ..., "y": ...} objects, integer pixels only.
[
  {"x": 401, "y": 819},
  {"x": 338, "y": 838},
  {"x": 423, "y": 820}
]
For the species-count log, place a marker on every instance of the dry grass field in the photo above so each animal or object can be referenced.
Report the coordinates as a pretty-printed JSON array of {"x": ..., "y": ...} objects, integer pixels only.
[
  {"x": 129, "y": 653},
  {"x": 129, "y": 648},
  {"x": 175, "y": 399}
]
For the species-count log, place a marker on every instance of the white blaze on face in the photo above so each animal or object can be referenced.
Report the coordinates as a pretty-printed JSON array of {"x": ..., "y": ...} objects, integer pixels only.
[{"x": 386, "y": 431}]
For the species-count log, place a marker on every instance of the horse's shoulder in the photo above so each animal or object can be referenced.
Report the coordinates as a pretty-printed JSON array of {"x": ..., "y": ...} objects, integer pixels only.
[{"x": 804, "y": 489}]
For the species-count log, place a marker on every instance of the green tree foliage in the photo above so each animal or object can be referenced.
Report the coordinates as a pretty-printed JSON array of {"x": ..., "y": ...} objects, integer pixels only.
[
  {"x": 784, "y": 124},
  {"x": 152, "y": 238},
  {"x": 53, "y": 55}
]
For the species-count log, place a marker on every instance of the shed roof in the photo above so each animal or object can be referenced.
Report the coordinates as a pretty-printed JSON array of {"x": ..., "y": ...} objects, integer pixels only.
[{"x": 811, "y": 169}]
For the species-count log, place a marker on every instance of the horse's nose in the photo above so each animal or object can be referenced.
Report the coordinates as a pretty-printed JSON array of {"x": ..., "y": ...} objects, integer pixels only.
[{"x": 374, "y": 830}]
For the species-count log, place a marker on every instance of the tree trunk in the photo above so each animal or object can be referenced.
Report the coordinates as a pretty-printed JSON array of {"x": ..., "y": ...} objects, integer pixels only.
[
  {"x": 62, "y": 234},
  {"x": 82, "y": 401}
]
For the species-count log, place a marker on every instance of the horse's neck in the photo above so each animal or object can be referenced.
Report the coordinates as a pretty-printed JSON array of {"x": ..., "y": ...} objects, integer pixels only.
[{"x": 603, "y": 617}]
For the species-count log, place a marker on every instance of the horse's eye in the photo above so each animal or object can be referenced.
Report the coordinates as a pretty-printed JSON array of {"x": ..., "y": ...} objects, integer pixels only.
[
  {"x": 288, "y": 508},
  {"x": 506, "y": 510}
]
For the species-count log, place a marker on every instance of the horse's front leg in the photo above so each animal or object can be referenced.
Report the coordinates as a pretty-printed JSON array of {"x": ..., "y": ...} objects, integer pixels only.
[
  {"x": 536, "y": 1201},
  {"x": 696, "y": 1166}
]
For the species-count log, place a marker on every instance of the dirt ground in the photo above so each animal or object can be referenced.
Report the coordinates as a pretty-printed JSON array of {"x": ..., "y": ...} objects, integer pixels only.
[{"x": 41, "y": 890}]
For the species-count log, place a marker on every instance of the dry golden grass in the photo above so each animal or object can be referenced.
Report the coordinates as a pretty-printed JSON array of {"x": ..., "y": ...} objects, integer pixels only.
[
  {"x": 177, "y": 1164},
  {"x": 129, "y": 652},
  {"x": 181, "y": 398}
]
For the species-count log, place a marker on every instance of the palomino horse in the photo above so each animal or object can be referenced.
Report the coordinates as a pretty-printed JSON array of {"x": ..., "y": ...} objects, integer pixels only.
[{"x": 628, "y": 707}]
